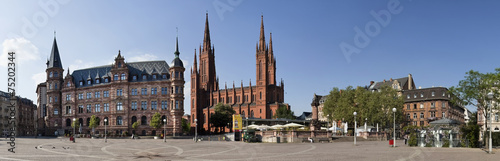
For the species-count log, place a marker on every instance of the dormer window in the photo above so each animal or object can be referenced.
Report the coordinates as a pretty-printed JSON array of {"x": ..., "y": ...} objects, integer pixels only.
[
  {"x": 106, "y": 80},
  {"x": 81, "y": 83},
  {"x": 144, "y": 77},
  {"x": 154, "y": 76},
  {"x": 97, "y": 81},
  {"x": 89, "y": 82},
  {"x": 164, "y": 76},
  {"x": 134, "y": 78},
  {"x": 123, "y": 76}
]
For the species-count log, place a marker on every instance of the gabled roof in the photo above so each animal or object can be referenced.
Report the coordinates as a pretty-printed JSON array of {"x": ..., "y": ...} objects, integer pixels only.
[
  {"x": 377, "y": 85},
  {"x": 135, "y": 68}
]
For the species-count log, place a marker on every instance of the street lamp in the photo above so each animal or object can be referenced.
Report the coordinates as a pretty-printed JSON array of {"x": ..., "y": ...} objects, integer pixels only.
[
  {"x": 164, "y": 130},
  {"x": 105, "y": 132},
  {"x": 490, "y": 97},
  {"x": 74, "y": 127},
  {"x": 394, "y": 137},
  {"x": 196, "y": 130},
  {"x": 355, "y": 113}
]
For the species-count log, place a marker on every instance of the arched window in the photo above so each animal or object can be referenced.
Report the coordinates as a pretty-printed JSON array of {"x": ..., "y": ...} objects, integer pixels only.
[
  {"x": 68, "y": 122},
  {"x": 119, "y": 120},
  {"x": 144, "y": 120},
  {"x": 134, "y": 119},
  {"x": 260, "y": 96},
  {"x": 88, "y": 121},
  {"x": 260, "y": 71},
  {"x": 80, "y": 121}
]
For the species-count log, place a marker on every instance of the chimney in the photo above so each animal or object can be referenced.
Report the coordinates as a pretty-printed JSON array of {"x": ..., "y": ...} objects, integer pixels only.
[{"x": 410, "y": 82}]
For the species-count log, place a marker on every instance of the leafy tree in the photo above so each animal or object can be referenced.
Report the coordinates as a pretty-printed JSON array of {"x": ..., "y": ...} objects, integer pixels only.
[
  {"x": 135, "y": 125},
  {"x": 94, "y": 122},
  {"x": 473, "y": 91},
  {"x": 375, "y": 107},
  {"x": 75, "y": 124},
  {"x": 222, "y": 116},
  {"x": 284, "y": 112},
  {"x": 186, "y": 126},
  {"x": 156, "y": 121},
  {"x": 471, "y": 131}
]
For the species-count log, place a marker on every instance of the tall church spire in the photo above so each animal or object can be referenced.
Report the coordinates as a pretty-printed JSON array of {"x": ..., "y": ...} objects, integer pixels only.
[
  {"x": 206, "y": 38},
  {"x": 262, "y": 40},
  {"x": 54, "y": 60},
  {"x": 271, "y": 43},
  {"x": 176, "y": 53}
]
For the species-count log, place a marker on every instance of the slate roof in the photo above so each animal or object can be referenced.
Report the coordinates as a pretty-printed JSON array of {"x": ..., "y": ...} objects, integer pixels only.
[
  {"x": 378, "y": 85},
  {"x": 177, "y": 62},
  {"x": 135, "y": 68},
  {"x": 444, "y": 121},
  {"x": 54, "y": 60}
]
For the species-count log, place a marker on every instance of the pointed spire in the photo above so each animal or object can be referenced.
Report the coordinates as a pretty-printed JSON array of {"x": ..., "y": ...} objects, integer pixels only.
[
  {"x": 225, "y": 85},
  {"x": 54, "y": 60},
  {"x": 177, "y": 47},
  {"x": 262, "y": 40},
  {"x": 271, "y": 42},
  {"x": 119, "y": 54},
  {"x": 195, "y": 63},
  {"x": 206, "y": 38}
]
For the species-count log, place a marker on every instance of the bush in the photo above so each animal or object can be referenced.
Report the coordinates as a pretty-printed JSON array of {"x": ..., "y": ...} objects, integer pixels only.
[
  {"x": 124, "y": 133},
  {"x": 428, "y": 145},
  {"x": 446, "y": 143},
  {"x": 413, "y": 139}
]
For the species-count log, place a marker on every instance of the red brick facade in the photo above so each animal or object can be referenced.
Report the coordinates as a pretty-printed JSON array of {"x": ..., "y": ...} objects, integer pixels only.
[
  {"x": 122, "y": 93},
  {"x": 258, "y": 101}
]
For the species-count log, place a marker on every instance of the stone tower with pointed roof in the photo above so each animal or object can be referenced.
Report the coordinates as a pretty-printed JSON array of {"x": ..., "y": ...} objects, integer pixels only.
[
  {"x": 53, "y": 85},
  {"x": 254, "y": 101}
]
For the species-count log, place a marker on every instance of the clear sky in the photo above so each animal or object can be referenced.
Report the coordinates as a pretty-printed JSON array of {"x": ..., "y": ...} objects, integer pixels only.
[{"x": 435, "y": 41}]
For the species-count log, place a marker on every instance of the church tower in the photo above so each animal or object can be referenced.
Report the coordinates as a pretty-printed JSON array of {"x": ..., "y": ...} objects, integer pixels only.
[{"x": 54, "y": 84}]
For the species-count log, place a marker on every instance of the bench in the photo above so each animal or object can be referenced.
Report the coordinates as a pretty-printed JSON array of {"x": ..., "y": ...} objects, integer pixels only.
[{"x": 322, "y": 140}]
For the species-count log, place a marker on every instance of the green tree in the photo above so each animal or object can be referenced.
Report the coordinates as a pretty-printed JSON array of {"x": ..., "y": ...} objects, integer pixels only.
[
  {"x": 284, "y": 112},
  {"x": 94, "y": 122},
  {"x": 135, "y": 125},
  {"x": 186, "y": 126},
  {"x": 471, "y": 131},
  {"x": 375, "y": 107},
  {"x": 473, "y": 90},
  {"x": 75, "y": 124},
  {"x": 222, "y": 116},
  {"x": 156, "y": 121}
]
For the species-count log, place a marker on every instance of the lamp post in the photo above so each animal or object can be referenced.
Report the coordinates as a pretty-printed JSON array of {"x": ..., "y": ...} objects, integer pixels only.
[
  {"x": 196, "y": 130},
  {"x": 74, "y": 127},
  {"x": 164, "y": 130},
  {"x": 246, "y": 119},
  {"x": 355, "y": 113},
  {"x": 394, "y": 137},
  {"x": 105, "y": 131},
  {"x": 328, "y": 118},
  {"x": 490, "y": 97}
]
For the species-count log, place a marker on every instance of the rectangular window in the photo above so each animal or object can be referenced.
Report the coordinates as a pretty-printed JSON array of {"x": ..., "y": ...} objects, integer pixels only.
[
  {"x": 123, "y": 77},
  {"x": 55, "y": 99},
  {"x": 408, "y": 106},
  {"x": 164, "y": 105},
  {"x": 144, "y": 105},
  {"x": 176, "y": 104},
  {"x": 176, "y": 89},
  {"x": 144, "y": 91},
  {"x": 414, "y": 115},
  {"x": 89, "y": 95},
  {"x": 80, "y": 108},
  {"x": 433, "y": 114},
  {"x": 421, "y": 105},
  {"x": 153, "y": 91},
  {"x": 68, "y": 97},
  {"x": 443, "y": 114},
  {"x": 106, "y": 107},
  {"x": 97, "y": 108},
  {"x": 422, "y": 115},
  {"x": 433, "y": 104},
  {"x": 134, "y": 105},
  {"x": 119, "y": 106},
  {"x": 105, "y": 94},
  {"x": 164, "y": 90},
  {"x": 432, "y": 93},
  {"x": 443, "y": 104},
  {"x": 68, "y": 109},
  {"x": 133, "y": 91},
  {"x": 119, "y": 92},
  {"x": 153, "y": 105},
  {"x": 80, "y": 96},
  {"x": 115, "y": 77},
  {"x": 97, "y": 94},
  {"x": 421, "y": 123},
  {"x": 408, "y": 96},
  {"x": 89, "y": 108}
]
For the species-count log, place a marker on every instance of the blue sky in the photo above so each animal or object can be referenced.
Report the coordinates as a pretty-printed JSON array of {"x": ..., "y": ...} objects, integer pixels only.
[{"x": 435, "y": 41}]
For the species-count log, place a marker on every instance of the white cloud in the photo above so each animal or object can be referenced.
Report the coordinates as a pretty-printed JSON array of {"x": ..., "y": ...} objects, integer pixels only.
[
  {"x": 24, "y": 49},
  {"x": 143, "y": 57},
  {"x": 39, "y": 77}
]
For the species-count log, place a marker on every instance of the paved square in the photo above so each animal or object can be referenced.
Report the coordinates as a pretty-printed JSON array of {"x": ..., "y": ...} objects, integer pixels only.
[{"x": 184, "y": 149}]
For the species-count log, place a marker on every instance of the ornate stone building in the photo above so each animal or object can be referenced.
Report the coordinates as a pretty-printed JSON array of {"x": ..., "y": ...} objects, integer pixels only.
[
  {"x": 253, "y": 101},
  {"x": 122, "y": 93},
  {"x": 24, "y": 115}
]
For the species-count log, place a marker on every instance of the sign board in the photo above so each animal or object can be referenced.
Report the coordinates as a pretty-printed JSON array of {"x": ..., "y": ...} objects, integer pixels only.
[{"x": 237, "y": 123}]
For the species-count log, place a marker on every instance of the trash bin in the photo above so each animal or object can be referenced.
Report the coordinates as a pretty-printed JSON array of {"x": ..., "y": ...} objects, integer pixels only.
[
  {"x": 391, "y": 142},
  {"x": 278, "y": 139}
]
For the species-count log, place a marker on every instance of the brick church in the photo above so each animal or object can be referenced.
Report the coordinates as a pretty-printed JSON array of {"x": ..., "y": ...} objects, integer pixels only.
[
  {"x": 253, "y": 101},
  {"x": 119, "y": 95}
]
